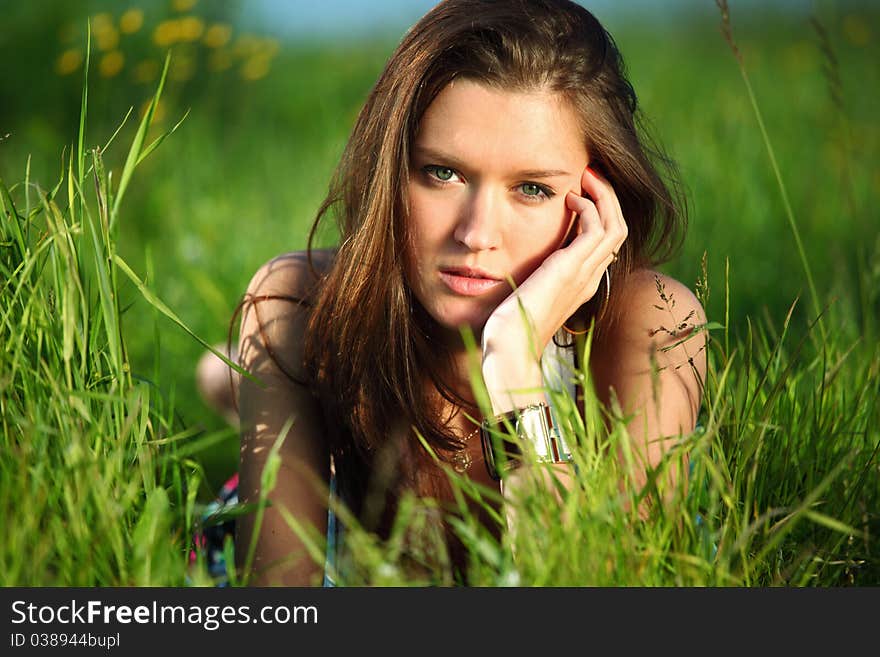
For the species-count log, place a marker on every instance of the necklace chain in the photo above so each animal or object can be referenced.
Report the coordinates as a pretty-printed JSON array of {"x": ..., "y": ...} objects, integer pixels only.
[{"x": 462, "y": 459}]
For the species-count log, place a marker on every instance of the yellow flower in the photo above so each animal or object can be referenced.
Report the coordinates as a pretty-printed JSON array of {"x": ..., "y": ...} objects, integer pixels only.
[
  {"x": 190, "y": 28},
  {"x": 101, "y": 22},
  {"x": 183, "y": 5},
  {"x": 245, "y": 45},
  {"x": 68, "y": 61},
  {"x": 255, "y": 67},
  {"x": 131, "y": 21},
  {"x": 104, "y": 31},
  {"x": 217, "y": 35},
  {"x": 146, "y": 71},
  {"x": 111, "y": 63},
  {"x": 248, "y": 45},
  {"x": 107, "y": 38},
  {"x": 166, "y": 33}
]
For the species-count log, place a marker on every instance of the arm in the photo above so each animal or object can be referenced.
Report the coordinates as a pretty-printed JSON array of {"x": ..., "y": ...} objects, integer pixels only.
[
  {"x": 655, "y": 374},
  {"x": 642, "y": 364},
  {"x": 301, "y": 486}
]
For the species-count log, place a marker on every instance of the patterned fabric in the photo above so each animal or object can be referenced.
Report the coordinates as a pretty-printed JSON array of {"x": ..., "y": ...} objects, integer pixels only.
[{"x": 209, "y": 540}]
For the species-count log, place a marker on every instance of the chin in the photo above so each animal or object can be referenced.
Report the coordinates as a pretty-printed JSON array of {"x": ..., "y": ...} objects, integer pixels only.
[
  {"x": 450, "y": 315},
  {"x": 453, "y": 321}
]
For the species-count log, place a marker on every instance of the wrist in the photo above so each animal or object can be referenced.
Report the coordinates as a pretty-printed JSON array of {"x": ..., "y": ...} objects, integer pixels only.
[
  {"x": 511, "y": 372},
  {"x": 512, "y": 383},
  {"x": 528, "y": 431}
]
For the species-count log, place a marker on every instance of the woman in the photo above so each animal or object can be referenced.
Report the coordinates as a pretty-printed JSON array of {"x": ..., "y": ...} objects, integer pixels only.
[{"x": 492, "y": 177}]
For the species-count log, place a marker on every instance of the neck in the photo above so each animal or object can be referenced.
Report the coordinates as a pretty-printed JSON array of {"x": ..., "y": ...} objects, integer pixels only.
[{"x": 460, "y": 361}]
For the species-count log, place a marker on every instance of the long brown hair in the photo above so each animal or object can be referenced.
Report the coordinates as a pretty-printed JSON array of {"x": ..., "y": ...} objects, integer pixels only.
[{"x": 370, "y": 347}]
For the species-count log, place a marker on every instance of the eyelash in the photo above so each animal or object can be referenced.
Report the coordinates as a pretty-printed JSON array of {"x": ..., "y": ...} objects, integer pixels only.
[{"x": 548, "y": 193}]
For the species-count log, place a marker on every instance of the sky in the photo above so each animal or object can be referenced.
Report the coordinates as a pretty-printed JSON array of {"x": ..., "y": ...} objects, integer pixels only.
[{"x": 359, "y": 18}]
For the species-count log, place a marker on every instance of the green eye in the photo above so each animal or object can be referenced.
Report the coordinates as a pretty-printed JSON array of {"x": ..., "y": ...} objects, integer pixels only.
[
  {"x": 443, "y": 173},
  {"x": 530, "y": 189}
]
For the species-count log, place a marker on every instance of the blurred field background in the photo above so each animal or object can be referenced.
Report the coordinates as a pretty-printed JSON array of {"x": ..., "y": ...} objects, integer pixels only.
[{"x": 271, "y": 95}]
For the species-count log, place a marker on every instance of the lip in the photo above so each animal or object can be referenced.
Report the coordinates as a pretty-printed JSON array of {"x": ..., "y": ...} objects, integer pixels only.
[
  {"x": 469, "y": 281},
  {"x": 470, "y": 272}
]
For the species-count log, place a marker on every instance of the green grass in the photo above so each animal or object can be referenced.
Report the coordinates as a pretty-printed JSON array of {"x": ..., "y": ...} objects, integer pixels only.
[
  {"x": 91, "y": 495},
  {"x": 107, "y": 451}
]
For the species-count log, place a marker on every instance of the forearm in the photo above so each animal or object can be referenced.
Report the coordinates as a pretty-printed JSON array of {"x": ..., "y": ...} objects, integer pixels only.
[
  {"x": 514, "y": 380},
  {"x": 511, "y": 367}
]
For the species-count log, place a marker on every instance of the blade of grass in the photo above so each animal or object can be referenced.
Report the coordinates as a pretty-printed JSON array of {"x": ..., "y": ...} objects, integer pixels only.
[
  {"x": 789, "y": 213},
  {"x": 154, "y": 301},
  {"x": 137, "y": 145}
]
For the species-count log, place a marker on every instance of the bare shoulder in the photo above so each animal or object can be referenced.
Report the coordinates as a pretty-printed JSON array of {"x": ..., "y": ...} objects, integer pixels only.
[
  {"x": 655, "y": 307},
  {"x": 659, "y": 326},
  {"x": 275, "y": 310},
  {"x": 290, "y": 274}
]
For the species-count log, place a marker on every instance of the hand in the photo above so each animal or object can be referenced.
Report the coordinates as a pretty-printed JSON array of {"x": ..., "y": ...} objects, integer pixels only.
[{"x": 567, "y": 279}]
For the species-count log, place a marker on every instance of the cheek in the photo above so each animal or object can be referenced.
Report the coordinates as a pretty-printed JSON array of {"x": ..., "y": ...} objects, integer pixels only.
[
  {"x": 421, "y": 236},
  {"x": 536, "y": 240},
  {"x": 428, "y": 225}
]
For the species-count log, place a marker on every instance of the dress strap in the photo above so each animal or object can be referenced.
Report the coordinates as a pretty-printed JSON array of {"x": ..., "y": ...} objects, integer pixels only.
[{"x": 334, "y": 537}]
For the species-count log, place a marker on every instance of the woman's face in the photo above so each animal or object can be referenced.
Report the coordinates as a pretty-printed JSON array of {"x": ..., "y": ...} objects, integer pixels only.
[{"x": 488, "y": 178}]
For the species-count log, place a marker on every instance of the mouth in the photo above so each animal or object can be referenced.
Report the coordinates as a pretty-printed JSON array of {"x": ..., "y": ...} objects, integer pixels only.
[
  {"x": 469, "y": 281},
  {"x": 469, "y": 272}
]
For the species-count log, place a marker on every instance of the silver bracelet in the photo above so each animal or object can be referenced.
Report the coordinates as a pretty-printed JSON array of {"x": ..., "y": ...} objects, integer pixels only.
[{"x": 534, "y": 424}]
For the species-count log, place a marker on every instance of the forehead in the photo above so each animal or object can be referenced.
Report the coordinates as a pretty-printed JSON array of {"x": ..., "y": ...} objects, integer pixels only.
[{"x": 487, "y": 126}]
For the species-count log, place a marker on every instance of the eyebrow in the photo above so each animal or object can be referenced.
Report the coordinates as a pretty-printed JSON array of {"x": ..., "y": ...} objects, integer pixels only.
[{"x": 432, "y": 154}]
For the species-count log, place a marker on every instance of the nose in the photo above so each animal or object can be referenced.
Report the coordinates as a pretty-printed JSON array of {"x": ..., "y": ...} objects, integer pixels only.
[{"x": 478, "y": 227}]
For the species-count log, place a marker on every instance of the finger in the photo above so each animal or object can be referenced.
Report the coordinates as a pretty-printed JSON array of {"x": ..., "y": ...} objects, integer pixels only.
[
  {"x": 589, "y": 219},
  {"x": 572, "y": 230},
  {"x": 603, "y": 241},
  {"x": 600, "y": 190},
  {"x": 599, "y": 245},
  {"x": 598, "y": 186},
  {"x": 583, "y": 207}
]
